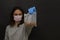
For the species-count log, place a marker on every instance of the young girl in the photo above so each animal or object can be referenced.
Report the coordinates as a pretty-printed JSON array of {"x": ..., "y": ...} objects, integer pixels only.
[{"x": 18, "y": 29}]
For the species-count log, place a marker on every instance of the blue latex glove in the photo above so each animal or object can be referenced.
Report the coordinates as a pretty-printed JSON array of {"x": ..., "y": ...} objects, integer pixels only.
[{"x": 31, "y": 10}]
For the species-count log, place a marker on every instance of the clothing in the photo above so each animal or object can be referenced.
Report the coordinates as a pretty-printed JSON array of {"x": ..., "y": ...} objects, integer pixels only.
[{"x": 19, "y": 33}]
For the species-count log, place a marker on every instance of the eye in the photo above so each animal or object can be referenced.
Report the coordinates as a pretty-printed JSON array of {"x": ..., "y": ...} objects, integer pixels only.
[
  {"x": 20, "y": 14},
  {"x": 15, "y": 14}
]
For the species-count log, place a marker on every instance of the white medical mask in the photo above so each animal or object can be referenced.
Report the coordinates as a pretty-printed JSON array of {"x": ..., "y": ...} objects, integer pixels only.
[{"x": 18, "y": 18}]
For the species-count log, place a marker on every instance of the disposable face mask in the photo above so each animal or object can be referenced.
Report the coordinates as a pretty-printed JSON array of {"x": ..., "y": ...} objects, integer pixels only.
[{"x": 18, "y": 18}]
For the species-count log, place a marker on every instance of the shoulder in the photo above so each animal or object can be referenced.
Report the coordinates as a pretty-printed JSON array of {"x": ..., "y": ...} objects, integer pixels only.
[{"x": 7, "y": 27}]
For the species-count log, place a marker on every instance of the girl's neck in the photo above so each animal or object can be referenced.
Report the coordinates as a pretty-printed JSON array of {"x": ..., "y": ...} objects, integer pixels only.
[{"x": 16, "y": 23}]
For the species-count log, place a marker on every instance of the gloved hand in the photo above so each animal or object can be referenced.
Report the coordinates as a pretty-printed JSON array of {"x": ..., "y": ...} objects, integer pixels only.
[{"x": 31, "y": 10}]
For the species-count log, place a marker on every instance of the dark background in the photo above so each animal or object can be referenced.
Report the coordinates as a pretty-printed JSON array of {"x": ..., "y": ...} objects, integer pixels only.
[
  {"x": 6, "y": 7},
  {"x": 48, "y": 17}
]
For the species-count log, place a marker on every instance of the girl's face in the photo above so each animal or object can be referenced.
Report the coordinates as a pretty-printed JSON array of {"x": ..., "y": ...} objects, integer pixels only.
[{"x": 17, "y": 15}]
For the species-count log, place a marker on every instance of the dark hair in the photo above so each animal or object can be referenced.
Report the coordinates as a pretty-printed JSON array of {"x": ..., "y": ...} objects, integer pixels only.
[{"x": 12, "y": 22}]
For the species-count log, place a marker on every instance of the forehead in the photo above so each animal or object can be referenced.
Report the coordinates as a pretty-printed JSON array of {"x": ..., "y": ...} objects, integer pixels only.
[{"x": 17, "y": 11}]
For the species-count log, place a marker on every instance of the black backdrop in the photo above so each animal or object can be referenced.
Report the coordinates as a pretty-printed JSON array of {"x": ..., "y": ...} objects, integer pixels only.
[{"x": 47, "y": 17}]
